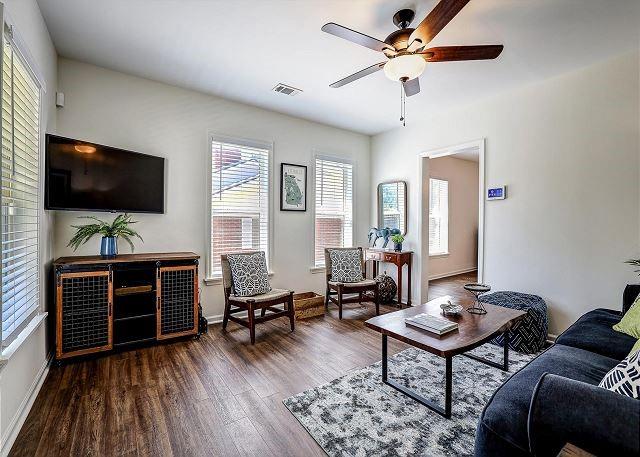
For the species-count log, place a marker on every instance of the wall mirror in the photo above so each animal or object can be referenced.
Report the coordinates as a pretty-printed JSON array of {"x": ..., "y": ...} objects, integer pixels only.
[{"x": 392, "y": 205}]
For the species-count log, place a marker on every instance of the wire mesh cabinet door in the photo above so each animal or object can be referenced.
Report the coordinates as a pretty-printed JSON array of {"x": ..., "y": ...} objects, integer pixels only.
[
  {"x": 177, "y": 296},
  {"x": 84, "y": 307}
]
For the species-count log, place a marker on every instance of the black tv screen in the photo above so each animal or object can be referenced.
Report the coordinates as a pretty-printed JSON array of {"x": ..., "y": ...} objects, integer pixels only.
[{"x": 86, "y": 176}]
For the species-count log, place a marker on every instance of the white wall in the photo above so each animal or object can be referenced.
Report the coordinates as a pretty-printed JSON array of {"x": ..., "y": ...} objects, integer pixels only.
[
  {"x": 134, "y": 113},
  {"x": 568, "y": 148},
  {"x": 462, "y": 176},
  {"x": 19, "y": 376}
]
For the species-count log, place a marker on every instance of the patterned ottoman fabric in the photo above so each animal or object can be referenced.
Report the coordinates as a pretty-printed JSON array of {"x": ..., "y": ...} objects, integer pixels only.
[{"x": 530, "y": 334}]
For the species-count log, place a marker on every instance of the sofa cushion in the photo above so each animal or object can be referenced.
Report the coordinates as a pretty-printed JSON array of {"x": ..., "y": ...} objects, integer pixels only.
[
  {"x": 507, "y": 412},
  {"x": 594, "y": 332}
]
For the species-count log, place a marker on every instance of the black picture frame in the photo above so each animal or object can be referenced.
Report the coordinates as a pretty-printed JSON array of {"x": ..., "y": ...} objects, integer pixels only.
[{"x": 303, "y": 170}]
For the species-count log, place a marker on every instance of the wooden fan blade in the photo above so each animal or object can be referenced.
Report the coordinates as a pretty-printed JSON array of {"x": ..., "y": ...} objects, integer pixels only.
[
  {"x": 452, "y": 53},
  {"x": 355, "y": 37},
  {"x": 358, "y": 75},
  {"x": 411, "y": 87},
  {"x": 436, "y": 20}
]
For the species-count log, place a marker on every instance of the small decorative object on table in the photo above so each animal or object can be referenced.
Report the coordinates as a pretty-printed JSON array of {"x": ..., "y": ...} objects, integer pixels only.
[
  {"x": 397, "y": 242},
  {"x": 119, "y": 228},
  {"x": 450, "y": 309},
  {"x": 386, "y": 288},
  {"x": 384, "y": 233},
  {"x": 477, "y": 290}
]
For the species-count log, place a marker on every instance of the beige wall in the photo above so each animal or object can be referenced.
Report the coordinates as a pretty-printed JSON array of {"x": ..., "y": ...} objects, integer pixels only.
[
  {"x": 116, "y": 109},
  {"x": 462, "y": 176},
  {"x": 568, "y": 148},
  {"x": 20, "y": 376}
]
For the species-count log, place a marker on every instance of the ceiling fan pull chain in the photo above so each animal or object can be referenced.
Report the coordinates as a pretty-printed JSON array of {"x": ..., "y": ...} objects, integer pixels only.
[{"x": 402, "y": 104}]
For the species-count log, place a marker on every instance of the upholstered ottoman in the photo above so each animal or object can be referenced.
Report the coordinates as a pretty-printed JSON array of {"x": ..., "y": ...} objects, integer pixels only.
[{"x": 530, "y": 334}]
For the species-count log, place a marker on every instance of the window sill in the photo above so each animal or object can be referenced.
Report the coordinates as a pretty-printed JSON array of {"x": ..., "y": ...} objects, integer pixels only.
[
  {"x": 8, "y": 352},
  {"x": 435, "y": 256},
  {"x": 316, "y": 270},
  {"x": 217, "y": 280}
]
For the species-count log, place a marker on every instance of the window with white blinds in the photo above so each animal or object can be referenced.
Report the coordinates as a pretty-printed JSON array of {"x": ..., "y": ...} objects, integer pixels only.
[
  {"x": 20, "y": 191},
  {"x": 438, "y": 217},
  {"x": 334, "y": 206},
  {"x": 239, "y": 199}
]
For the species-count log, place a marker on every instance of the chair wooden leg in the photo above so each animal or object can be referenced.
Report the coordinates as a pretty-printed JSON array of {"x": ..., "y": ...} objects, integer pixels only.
[
  {"x": 262, "y": 312},
  {"x": 252, "y": 322},
  {"x": 360, "y": 297},
  {"x": 326, "y": 299},
  {"x": 340, "y": 302},
  {"x": 376, "y": 298},
  {"x": 292, "y": 312},
  {"x": 225, "y": 317}
]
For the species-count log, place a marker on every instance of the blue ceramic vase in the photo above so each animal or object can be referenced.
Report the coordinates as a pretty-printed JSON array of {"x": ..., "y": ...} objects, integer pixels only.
[{"x": 109, "y": 246}]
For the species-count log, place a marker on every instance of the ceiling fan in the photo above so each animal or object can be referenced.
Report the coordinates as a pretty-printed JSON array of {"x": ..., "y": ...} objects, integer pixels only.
[{"x": 405, "y": 48}]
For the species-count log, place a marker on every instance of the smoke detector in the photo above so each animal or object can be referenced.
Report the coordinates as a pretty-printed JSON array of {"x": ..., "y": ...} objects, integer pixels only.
[{"x": 286, "y": 90}]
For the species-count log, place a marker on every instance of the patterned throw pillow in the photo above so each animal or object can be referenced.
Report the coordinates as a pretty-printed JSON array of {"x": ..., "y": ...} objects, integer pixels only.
[
  {"x": 346, "y": 265},
  {"x": 249, "y": 274},
  {"x": 624, "y": 378}
]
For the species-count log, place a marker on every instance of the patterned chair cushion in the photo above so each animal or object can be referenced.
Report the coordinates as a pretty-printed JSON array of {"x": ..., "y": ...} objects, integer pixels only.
[
  {"x": 530, "y": 334},
  {"x": 624, "y": 378},
  {"x": 346, "y": 265},
  {"x": 249, "y": 274}
]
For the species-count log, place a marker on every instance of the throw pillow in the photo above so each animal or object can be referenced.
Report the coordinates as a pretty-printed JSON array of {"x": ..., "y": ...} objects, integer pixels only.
[
  {"x": 249, "y": 274},
  {"x": 346, "y": 265},
  {"x": 636, "y": 347},
  {"x": 630, "y": 322},
  {"x": 624, "y": 378}
]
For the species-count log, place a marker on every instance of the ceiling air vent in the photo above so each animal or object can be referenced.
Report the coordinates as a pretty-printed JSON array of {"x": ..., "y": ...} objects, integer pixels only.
[{"x": 286, "y": 90}]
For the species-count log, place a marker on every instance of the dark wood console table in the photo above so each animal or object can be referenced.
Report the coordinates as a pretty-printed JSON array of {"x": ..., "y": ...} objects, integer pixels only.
[
  {"x": 399, "y": 259},
  {"x": 103, "y": 304}
]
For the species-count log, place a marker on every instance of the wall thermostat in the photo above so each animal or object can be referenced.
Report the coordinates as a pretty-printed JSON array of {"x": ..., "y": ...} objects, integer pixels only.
[
  {"x": 60, "y": 99},
  {"x": 497, "y": 193}
]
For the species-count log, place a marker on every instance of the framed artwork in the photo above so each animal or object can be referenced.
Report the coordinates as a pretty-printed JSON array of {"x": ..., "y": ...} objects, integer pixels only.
[{"x": 293, "y": 187}]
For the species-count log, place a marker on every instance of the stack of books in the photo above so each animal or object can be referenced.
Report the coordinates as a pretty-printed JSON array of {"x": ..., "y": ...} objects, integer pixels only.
[{"x": 433, "y": 324}]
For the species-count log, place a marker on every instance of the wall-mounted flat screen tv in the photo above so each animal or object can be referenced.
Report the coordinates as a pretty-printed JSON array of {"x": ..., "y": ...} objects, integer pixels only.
[{"x": 83, "y": 176}]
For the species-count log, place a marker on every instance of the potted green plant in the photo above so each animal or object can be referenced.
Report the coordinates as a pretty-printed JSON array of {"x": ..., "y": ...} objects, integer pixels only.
[
  {"x": 397, "y": 242},
  {"x": 119, "y": 228}
]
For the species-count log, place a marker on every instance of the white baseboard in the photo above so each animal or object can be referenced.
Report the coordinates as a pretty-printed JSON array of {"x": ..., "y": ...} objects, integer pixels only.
[
  {"x": 23, "y": 410},
  {"x": 453, "y": 273},
  {"x": 217, "y": 318}
]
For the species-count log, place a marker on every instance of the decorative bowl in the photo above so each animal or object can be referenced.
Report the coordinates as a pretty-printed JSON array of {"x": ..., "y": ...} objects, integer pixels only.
[{"x": 450, "y": 309}]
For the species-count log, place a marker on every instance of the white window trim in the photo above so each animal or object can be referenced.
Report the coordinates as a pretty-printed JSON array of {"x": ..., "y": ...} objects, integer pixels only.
[
  {"x": 209, "y": 279},
  {"x": 39, "y": 315},
  {"x": 447, "y": 252},
  {"x": 314, "y": 269}
]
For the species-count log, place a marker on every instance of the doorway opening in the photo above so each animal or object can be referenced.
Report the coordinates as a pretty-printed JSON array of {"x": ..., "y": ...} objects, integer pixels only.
[{"x": 452, "y": 220}]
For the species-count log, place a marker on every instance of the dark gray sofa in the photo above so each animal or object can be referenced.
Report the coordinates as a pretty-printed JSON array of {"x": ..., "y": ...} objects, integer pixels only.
[{"x": 555, "y": 399}]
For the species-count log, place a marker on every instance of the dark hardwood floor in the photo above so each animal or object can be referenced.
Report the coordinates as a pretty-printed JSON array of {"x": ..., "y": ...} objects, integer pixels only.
[{"x": 214, "y": 396}]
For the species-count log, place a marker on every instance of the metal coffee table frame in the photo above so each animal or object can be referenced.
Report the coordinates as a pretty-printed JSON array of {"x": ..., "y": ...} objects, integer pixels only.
[{"x": 446, "y": 411}]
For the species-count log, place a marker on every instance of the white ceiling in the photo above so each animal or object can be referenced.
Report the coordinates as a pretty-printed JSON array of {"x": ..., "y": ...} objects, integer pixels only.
[{"x": 240, "y": 49}]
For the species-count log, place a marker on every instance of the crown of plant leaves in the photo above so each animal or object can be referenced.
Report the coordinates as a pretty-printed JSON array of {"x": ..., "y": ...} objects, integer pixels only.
[{"x": 119, "y": 228}]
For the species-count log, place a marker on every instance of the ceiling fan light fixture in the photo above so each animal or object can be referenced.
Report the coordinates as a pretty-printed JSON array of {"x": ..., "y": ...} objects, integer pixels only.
[{"x": 407, "y": 67}]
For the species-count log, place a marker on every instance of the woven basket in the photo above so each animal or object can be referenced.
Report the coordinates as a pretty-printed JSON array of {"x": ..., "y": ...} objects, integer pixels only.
[{"x": 308, "y": 304}]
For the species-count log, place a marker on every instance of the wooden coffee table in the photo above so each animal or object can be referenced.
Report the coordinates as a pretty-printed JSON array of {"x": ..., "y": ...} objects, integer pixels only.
[{"x": 473, "y": 330}]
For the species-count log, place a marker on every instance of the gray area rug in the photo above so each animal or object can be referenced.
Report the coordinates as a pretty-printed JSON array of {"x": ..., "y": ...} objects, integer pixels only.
[{"x": 357, "y": 415}]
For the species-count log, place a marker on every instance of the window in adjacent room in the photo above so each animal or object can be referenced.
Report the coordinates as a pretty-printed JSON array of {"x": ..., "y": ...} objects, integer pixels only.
[
  {"x": 334, "y": 206},
  {"x": 438, "y": 217},
  {"x": 240, "y": 202},
  {"x": 21, "y": 105}
]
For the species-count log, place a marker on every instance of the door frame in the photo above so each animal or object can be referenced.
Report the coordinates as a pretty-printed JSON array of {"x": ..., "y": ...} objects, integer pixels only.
[{"x": 423, "y": 219}]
